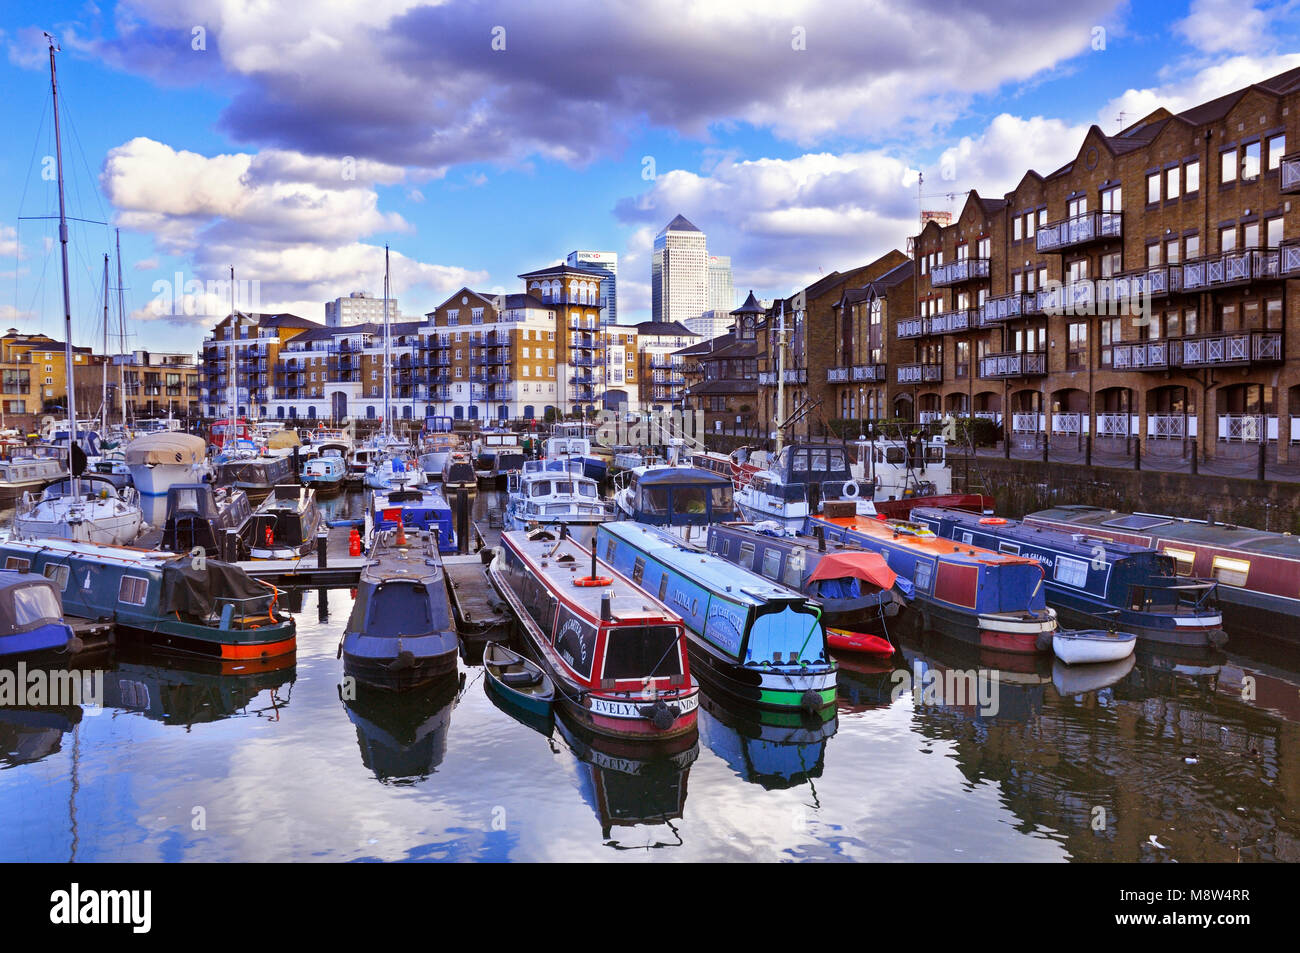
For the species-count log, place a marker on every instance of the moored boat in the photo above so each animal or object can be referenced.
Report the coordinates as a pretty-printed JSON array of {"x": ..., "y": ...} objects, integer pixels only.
[
  {"x": 683, "y": 500},
  {"x": 325, "y": 473},
  {"x": 201, "y": 515},
  {"x": 458, "y": 472},
  {"x": 400, "y": 634},
  {"x": 84, "y": 508},
  {"x": 285, "y": 524},
  {"x": 1091, "y": 646},
  {"x": 20, "y": 474},
  {"x": 162, "y": 599},
  {"x": 159, "y": 460},
  {"x": 548, "y": 492},
  {"x": 255, "y": 474},
  {"x": 754, "y": 640},
  {"x": 31, "y": 618},
  {"x": 422, "y": 508},
  {"x": 992, "y": 599},
  {"x": 516, "y": 680},
  {"x": 616, "y": 656}
]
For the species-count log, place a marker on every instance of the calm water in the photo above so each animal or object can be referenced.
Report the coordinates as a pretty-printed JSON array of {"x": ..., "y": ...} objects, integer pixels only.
[{"x": 183, "y": 764}]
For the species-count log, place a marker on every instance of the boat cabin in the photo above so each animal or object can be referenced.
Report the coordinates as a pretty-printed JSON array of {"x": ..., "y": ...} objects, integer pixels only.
[
  {"x": 679, "y": 496},
  {"x": 199, "y": 514}
]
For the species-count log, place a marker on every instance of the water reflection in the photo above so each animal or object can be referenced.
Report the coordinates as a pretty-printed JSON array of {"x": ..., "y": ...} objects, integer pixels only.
[
  {"x": 403, "y": 737},
  {"x": 774, "y": 750},
  {"x": 181, "y": 690},
  {"x": 29, "y": 734}
]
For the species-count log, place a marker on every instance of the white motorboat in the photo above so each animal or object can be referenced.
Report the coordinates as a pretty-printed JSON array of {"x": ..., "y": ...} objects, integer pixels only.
[
  {"x": 797, "y": 481},
  {"x": 558, "y": 491},
  {"x": 22, "y": 474},
  {"x": 393, "y": 471},
  {"x": 157, "y": 461},
  {"x": 1089, "y": 646}
]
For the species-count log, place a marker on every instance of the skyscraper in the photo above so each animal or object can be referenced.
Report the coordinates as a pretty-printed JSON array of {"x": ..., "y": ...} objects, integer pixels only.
[
  {"x": 679, "y": 267},
  {"x": 722, "y": 297},
  {"x": 605, "y": 262}
]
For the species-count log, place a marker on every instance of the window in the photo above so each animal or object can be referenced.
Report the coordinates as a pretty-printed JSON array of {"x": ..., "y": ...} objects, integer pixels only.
[
  {"x": 1250, "y": 235},
  {"x": 132, "y": 590},
  {"x": 1227, "y": 166},
  {"x": 1016, "y": 229},
  {"x": 1273, "y": 232},
  {"x": 638, "y": 570},
  {"x": 16, "y": 564},
  {"x": 57, "y": 573},
  {"x": 1231, "y": 572},
  {"x": 1183, "y": 559},
  {"x": 1171, "y": 183},
  {"x": 1192, "y": 246},
  {"x": 1077, "y": 355},
  {"x": 1153, "y": 254},
  {"x": 1153, "y": 188},
  {"x": 1250, "y": 161},
  {"x": 1042, "y": 217},
  {"x": 1111, "y": 200},
  {"x": 1171, "y": 252},
  {"x": 772, "y": 563},
  {"x": 1071, "y": 572},
  {"x": 746, "y": 560},
  {"x": 1110, "y": 334},
  {"x": 1276, "y": 149},
  {"x": 1077, "y": 206},
  {"x": 1227, "y": 238}
]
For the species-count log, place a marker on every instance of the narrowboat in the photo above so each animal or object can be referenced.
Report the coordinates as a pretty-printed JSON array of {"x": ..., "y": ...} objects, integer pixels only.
[
  {"x": 285, "y": 524},
  {"x": 325, "y": 473},
  {"x": 1255, "y": 569},
  {"x": 422, "y": 508},
  {"x": 400, "y": 634},
  {"x": 548, "y": 492},
  {"x": 31, "y": 618},
  {"x": 616, "y": 656},
  {"x": 995, "y": 600},
  {"x": 857, "y": 590},
  {"x": 1094, "y": 582},
  {"x": 255, "y": 475},
  {"x": 19, "y": 475},
  {"x": 158, "y": 460},
  {"x": 200, "y": 515},
  {"x": 166, "y": 600},
  {"x": 683, "y": 500},
  {"x": 750, "y": 639},
  {"x": 458, "y": 472}
]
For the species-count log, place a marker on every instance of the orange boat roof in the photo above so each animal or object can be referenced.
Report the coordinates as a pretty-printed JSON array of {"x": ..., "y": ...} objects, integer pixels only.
[{"x": 930, "y": 543}]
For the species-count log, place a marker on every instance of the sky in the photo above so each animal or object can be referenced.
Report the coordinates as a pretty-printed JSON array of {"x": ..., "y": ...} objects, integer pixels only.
[{"x": 483, "y": 140}]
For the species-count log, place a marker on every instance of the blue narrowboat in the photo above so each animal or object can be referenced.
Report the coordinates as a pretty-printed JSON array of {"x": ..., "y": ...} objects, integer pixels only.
[
  {"x": 31, "y": 617},
  {"x": 993, "y": 599},
  {"x": 1094, "y": 582},
  {"x": 750, "y": 639},
  {"x": 180, "y": 603},
  {"x": 423, "y": 508}
]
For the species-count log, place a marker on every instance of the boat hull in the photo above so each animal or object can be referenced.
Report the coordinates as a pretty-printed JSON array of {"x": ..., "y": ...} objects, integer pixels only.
[
  {"x": 773, "y": 688},
  {"x": 119, "y": 530},
  {"x": 45, "y": 639},
  {"x": 398, "y": 665},
  {"x": 211, "y": 643},
  {"x": 324, "y": 487},
  {"x": 1090, "y": 648}
]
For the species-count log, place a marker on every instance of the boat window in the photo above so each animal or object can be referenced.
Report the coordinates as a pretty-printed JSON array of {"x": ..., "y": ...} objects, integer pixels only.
[
  {"x": 654, "y": 500},
  {"x": 1231, "y": 572},
  {"x": 638, "y": 570},
  {"x": 610, "y": 546},
  {"x": 1071, "y": 572},
  {"x": 35, "y": 604},
  {"x": 636, "y": 653},
  {"x": 689, "y": 499},
  {"x": 794, "y": 567},
  {"x": 934, "y": 454},
  {"x": 1183, "y": 559},
  {"x": 894, "y": 455},
  {"x": 924, "y": 568},
  {"x": 663, "y": 585},
  {"x": 772, "y": 563},
  {"x": 746, "y": 560},
  {"x": 59, "y": 574},
  {"x": 1011, "y": 549},
  {"x": 399, "y": 609},
  {"x": 721, "y": 499},
  {"x": 21, "y": 565},
  {"x": 132, "y": 590},
  {"x": 969, "y": 538},
  {"x": 565, "y": 487},
  {"x": 587, "y": 489},
  {"x": 837, "y": 464}
]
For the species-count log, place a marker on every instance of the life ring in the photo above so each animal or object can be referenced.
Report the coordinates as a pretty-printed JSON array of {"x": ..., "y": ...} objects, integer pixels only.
[
  {"x": 849, "y": 490},
  {"x": 586, "y": 581},
  {"x": 993, "y": 521}
]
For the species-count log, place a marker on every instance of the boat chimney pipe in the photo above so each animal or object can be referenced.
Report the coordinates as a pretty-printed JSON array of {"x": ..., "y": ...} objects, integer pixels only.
[
  {"x": 821, "y": 538},
  {"x": 606, "y": 605},
  {"x": 593, "y": 559}
]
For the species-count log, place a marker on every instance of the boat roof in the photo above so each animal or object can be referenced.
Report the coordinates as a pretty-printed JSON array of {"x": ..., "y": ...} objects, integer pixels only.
[
  {"x": 870, "y": 567},
  {"x": 678, "y": 476},
  {"x": 929, "y": 545},
  {"x": 558, "y": 562},
  {"x": 1018, "y": 530},
  {"x": 1197, "y": 532},
  {"x": 418, "y": 562},
  {"x": 709, "y": 571},
  {"x": 113, "y": 555}
]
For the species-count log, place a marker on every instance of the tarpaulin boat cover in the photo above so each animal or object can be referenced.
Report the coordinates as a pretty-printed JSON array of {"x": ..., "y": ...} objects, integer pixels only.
[
  {"x": 870, "y": 567},
  {"x": 158, "y": 448},
  {"x": 195, "y": 592},
  {"x": 283, "y": 440},
  {"x": 27, "y": 601}
]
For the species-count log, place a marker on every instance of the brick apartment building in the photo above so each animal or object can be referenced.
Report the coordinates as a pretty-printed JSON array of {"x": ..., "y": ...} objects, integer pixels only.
[{"x": 1140, "y": 290}]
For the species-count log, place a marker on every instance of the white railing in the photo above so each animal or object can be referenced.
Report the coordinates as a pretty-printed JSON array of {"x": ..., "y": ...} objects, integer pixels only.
[
  {"x": 1247, "y": 428},
  {"x": 1171, "y": 426},
  {"x": 1069, "y": 423},
  {"x": 1027, "y": 423},
  {"x": 1295, "y": 429},
  {"x": 931, "y": 416},
  {"x": 1114, "y": 425},
  {"x": 993, "y": 415}
]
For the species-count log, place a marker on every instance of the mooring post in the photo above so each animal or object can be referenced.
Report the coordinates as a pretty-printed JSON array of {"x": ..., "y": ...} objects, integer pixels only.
[
  {"x": 1087, "y": 450},
  {"x": 1137, "y": 453},
  {"x": 1263, "y": 449},
  {"x": 1047, "y": 444},
  {"x": 462, "y": 522},
  {"x": 1196, "y": 463},
  {"x": 322, "y": 549}
]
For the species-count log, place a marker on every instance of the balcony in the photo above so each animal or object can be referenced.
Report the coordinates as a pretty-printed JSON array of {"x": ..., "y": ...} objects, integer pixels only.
[
  {"x": 950, "y": 322},
  {"x": 858, "y": 374},
  {"x": 1290, "y": 260},
  {"x": 1232, "y": 268},
  {"x": 1078, "y": 297},
  {"x": 662, "y": 361},
  {"x": 796, "y": 376},
  {"x": 910, "y": 328},
  {"x": 1140, "y": 356},
  {"x": 1009, "y": 307},
  {"x": 1013, "y": 364},
  {"x": 1155, "y": 282},
  {"x": 959, "y": 272},
  {"x": 920, "y": 373},
  {"x": 1078, "y": 231},
  {"x": 1291, "y": 173},
  {"x": 767, "y": 378},
  {"x": 1230, "y": 348}
]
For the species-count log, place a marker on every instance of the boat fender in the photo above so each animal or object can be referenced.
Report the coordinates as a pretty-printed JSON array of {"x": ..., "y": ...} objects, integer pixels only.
[
  {"x": 587, "y": 581},
  {"x": 1044, "y": 641},
  {"x": 849, "y": 490},
  {"x": 993, "y": 521},
  {"x": 1218, "y": 638},
  {"x": 74, "y": 645},
  {"x": 810, "y": 701},
  {"x": 661, "y": 715}
]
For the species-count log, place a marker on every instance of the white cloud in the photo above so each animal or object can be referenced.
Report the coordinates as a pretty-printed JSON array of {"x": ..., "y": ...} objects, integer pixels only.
[
  {"x": 1178, "y": 92},
  {"x": 994, "y": 161},
  {"x": 1226, "y": 26}
]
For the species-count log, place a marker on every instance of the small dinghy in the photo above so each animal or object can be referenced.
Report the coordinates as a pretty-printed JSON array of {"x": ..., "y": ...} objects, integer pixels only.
[
  {"x": 517, "y": 680},
  {"x": 842, "y": 640},
  {"x": 1087, "y": 646}
]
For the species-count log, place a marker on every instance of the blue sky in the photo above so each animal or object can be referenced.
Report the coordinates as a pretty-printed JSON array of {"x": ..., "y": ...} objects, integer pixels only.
[{"x": 294, "y": 147}]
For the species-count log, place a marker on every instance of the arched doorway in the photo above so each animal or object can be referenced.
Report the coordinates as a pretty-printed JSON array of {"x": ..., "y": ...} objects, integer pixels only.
[
  {"x": 1069, "y": 411},
  {"x": 1027, "y": 412},
  {"x": 903, "y": 407},
  {"x": 339, "y": 405}
]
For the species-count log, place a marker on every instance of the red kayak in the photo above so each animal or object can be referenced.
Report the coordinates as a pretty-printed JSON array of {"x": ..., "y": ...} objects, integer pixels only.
[{"x": 859, "y": 642}]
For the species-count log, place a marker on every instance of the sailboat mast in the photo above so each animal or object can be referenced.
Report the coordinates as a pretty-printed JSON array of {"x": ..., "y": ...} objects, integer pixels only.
[
  {"x": 780, "y": 378},
  {"x": 232, "y": 391},
  {"x": 388, "y": 354},
  {"x": 103, "y": 400},
  {"x": 121, "y": 330},
  {"x": 67, "y": 294}
]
